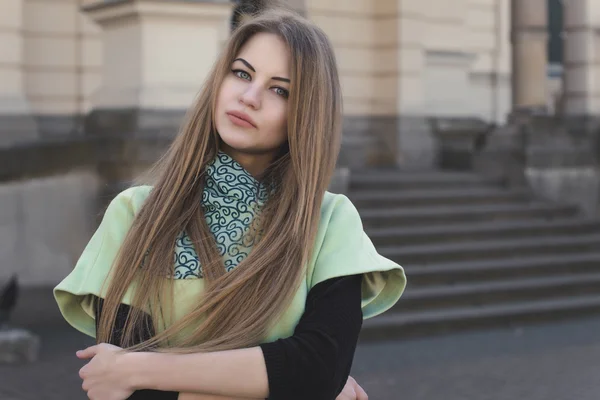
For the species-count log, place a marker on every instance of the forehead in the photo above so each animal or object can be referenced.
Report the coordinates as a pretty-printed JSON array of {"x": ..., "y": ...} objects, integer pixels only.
[{"x": 267, "y": 53}]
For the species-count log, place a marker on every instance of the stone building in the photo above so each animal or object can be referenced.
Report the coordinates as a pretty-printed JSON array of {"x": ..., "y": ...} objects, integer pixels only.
[{"x": 91, "y": 91}]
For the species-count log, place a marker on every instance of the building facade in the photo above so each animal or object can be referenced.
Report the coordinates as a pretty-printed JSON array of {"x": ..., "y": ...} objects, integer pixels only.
[{"x": 91, "y": 91}]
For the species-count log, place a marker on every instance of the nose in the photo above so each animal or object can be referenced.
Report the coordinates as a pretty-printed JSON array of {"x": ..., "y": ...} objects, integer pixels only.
[{"x": 251, "y": 97}]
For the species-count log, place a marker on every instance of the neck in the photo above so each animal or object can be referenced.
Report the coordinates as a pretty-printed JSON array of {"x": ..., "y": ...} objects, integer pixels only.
[{"x": 255, "y": 164}]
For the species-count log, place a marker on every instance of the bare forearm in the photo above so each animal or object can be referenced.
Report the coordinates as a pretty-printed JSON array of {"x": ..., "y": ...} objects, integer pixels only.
[{"x": 234, "y": 373}]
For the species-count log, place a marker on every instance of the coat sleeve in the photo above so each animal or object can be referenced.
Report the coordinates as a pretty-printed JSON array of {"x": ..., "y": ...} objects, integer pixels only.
[
  {"x": 314, "y": 363},
  {"x": 343, "y": 248},
  {"x": 87, "y": 279}
]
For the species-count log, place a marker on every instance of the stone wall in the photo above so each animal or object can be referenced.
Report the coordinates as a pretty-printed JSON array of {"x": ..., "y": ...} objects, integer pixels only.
[{"x": 45, "y": 223}]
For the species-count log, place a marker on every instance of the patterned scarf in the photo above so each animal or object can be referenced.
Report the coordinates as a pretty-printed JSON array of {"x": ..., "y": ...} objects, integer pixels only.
[{"x": 231, "y": 198}]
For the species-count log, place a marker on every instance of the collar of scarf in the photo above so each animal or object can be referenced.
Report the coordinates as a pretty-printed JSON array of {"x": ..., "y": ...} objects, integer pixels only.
[
  {"x": 227, "y": 179},
  {"x": 231, "y": 198}
]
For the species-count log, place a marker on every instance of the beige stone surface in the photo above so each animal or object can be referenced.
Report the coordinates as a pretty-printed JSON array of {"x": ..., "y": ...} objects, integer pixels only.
[
  {"x": 51, "y": 17},
  {"x": 51, "y": 84},
  {"x": 156, "y": 55},
  {"x": 12, "y": 94},
  {"x": 362, "y": 107},
  {"x": 11, "y": 15},
  {"x": 91, "y": 52},
  {"x": 57, "y": 106},
  {"x": 358, "y": 7},
  {"x": 60, "y": 46},
  {"x": 447, "y": 83},
  {"x": 12, "y": 85},
  {"x": 90, "y": 83},
  {"x": 582, "y": 54},
  {"x": 446, "y": 11},
  {"x": 411, "y": 93},
  {"x": 12, "y": 50},
  {"x": 381, "y": 46},
  {"x": 529, "y": 49},
  {"x": 87, "y": 26},
  {"x": 49, "y": 51},
  {"x": 346, "y": 30}
]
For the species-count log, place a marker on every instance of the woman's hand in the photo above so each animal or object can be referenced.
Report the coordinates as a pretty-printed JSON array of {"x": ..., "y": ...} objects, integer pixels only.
[
  {"x": 352, "y": 391},
  {"x": 104, "y": 377}
]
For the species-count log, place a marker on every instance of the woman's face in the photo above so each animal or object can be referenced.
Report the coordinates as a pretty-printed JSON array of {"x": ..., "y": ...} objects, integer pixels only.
[{"x": 251, "y": 110}]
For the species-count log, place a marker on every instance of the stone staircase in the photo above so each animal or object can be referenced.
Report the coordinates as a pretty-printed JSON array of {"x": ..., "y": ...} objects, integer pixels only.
[{"x": 476, "y": 253}]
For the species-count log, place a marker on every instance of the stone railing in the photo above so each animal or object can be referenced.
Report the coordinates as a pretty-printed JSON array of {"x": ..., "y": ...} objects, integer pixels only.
[{"x": 458, "y": 140}]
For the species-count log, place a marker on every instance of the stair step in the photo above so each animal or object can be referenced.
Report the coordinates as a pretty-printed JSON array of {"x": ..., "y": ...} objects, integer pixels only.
[
  {"x": 386, "y": 179},
  {"x": 476, "y": 195},
  {"x": 502, "y": 268},
  {"x": 476, "y": 253},
  {"x": 402, "y": 324},
  {"x": 508, "y": 290},
  {"x": 481, "y": 230},
  {"x": 411, "y": 216},
  {"x": 490, "y": 248}
]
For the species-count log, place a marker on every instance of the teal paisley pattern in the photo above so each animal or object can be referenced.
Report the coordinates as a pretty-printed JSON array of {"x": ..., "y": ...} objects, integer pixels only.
[{"x": 231, "y": 198}]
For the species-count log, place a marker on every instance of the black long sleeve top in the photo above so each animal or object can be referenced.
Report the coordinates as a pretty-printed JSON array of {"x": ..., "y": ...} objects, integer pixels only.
[{"x": 313, "y": 363}]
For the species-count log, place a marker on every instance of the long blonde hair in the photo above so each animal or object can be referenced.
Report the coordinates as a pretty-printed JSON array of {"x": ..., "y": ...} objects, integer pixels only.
[{"x": 259, "y": 289}]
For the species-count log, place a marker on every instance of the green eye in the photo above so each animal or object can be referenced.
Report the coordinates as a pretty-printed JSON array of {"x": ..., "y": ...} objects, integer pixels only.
[
  {"x": 242, "y": 74},
  {"x": 282, "y": 92}
]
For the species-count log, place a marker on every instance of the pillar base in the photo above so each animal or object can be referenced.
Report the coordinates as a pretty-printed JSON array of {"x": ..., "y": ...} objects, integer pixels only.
[
  {"x": 368, "y": 141},
  {"x": 417, "y": 147},
  {"x": 558, "y": 164}
]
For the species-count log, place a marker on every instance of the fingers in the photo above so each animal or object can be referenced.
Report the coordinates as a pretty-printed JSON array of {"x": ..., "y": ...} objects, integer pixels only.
[
  {"x": 87, "y": 353},
  {"x": 347, "y": 394},
  {"x": 360, "y": 393}
]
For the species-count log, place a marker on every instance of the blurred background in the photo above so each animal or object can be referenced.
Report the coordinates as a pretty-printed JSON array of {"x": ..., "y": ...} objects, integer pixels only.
[{"x": 470, "y": 147}]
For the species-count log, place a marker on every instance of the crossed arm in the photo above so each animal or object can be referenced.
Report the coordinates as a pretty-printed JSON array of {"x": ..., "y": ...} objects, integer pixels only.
[{"x": 313, "y": 363}]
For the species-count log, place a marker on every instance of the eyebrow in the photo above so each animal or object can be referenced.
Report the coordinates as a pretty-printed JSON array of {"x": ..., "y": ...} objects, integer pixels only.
[{"x": 247, "y": 64}]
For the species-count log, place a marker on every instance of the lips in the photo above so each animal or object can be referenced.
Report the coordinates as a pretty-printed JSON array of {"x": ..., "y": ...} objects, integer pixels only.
[{"x": 239, "y": 116}]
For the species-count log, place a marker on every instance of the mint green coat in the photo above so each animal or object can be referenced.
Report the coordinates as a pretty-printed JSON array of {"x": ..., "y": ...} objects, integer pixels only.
[{"x": 230, "y": 199}]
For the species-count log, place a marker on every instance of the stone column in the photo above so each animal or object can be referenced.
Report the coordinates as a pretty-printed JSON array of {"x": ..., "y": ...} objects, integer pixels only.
[
  {"x": 156, "y": 56},
  {"x": 582, "y": 49},
  {"x": 416, "y": 146},
  {"x": 529, "y": 39},
  {"x": 16, "y": 122}
]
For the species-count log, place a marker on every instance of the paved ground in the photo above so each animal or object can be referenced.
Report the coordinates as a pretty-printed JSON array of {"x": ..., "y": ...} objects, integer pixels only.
[{"x": 559, "y": 361}]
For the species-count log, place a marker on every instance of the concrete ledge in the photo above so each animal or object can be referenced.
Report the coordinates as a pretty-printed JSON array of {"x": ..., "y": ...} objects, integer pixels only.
[
  {"x": 134, "y": 122},
  {"x": 46, "y": 158}
]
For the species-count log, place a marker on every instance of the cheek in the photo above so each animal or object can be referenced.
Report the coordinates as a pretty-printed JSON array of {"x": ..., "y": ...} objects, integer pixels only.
[
  {"x": 278, "y": 125},
  {"x": 225, "y": 92}
]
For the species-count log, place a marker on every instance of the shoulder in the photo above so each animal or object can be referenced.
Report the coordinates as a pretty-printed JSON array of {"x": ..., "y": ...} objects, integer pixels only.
[
  {"x": 334, "y": 204},
  {"x": 129, "y": 201},
  {"x": 338, "y": 212},
  {"x": 340, "y": 226}
]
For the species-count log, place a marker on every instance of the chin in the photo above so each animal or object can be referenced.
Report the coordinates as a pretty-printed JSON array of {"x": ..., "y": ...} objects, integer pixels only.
[{"x": 237, "y": 141}]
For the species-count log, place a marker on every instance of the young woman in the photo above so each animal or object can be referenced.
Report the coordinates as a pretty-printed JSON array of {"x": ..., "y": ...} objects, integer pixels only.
[{"x": 235, "y": 274}]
